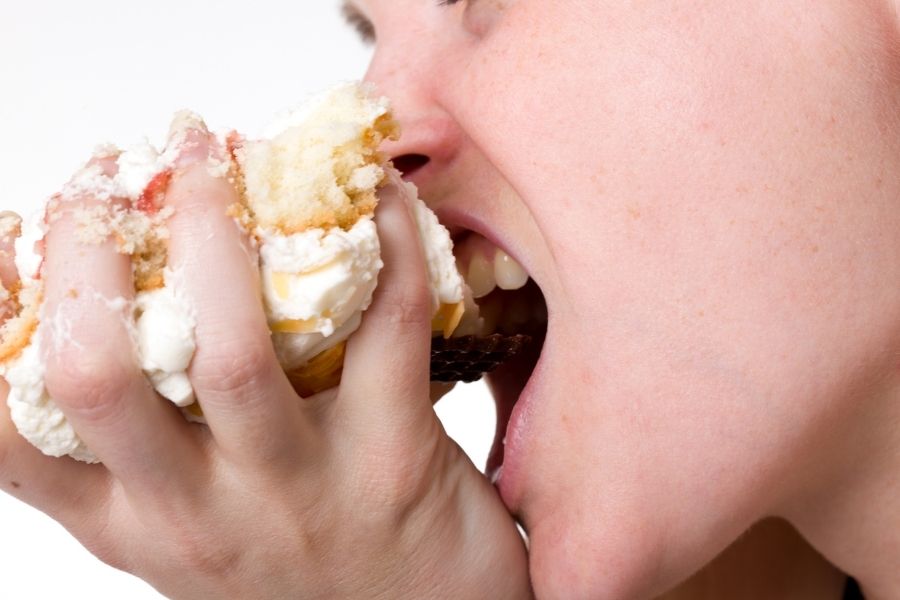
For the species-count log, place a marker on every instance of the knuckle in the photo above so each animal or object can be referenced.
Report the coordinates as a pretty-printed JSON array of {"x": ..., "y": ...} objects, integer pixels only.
[
  {"x": 106, "y": 551},
  {"x": 234, "y": 367},
  {"x": 91, "y": 383},
  {"x": 199, "y": 553},
  {"x": 409, "y": 306},
  {"x": 98, "y": 536}
]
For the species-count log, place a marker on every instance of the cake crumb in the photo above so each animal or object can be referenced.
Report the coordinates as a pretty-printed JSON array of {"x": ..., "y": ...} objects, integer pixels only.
[
  {"x": 16, "y": 331},
  {"x": 10, "y": 226}
]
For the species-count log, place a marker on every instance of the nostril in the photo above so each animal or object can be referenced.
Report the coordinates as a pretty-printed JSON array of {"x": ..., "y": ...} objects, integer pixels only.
[{"x": 408, "y": 164}]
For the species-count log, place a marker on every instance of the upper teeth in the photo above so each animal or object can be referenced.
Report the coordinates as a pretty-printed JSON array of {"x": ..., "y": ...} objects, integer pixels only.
[
  {"x": 509, "y": 274},
  {"x": 480, "y": 276},
  {"x": 486, "y": 267}
]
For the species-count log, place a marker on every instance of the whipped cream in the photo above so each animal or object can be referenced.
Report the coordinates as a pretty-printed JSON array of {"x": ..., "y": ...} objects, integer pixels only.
[
  {"x": 164, "y": 324},
  {"x": 315, "y": 283},
  {"x": 445, "y": 281},
  {"x": 38, "y": 419},
  {"x": 28, "y": 259},
  {"x": 321, "y": 276}
]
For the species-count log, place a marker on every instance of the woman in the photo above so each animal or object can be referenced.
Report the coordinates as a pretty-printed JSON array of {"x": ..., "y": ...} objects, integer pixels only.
[{"x": 705, "y": 193}]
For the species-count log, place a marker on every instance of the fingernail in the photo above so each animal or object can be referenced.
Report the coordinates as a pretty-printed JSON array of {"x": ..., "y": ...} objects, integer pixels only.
[{"x": 188, "y": 139}]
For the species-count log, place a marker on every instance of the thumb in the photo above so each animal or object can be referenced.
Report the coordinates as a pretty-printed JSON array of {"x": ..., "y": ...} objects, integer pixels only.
[{"x": 387, "y": 366}]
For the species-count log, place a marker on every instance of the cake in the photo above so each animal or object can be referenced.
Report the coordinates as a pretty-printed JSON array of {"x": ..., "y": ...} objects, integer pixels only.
[{"x": 308, "y": 192}]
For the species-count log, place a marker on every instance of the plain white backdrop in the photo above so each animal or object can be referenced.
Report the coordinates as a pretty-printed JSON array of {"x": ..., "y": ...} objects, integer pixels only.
[{"x": 74, "y": 74}]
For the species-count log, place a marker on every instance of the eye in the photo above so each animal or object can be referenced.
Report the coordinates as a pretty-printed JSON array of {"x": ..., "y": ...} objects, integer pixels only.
[
  {"x": 358, "y": 21},
  {"x": 479, "y": 17}
]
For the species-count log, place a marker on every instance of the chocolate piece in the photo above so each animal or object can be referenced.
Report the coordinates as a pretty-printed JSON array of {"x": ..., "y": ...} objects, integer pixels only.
[{"x": 467, "y": 358}]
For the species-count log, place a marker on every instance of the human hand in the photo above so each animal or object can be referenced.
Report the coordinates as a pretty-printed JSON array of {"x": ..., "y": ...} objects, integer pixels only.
[{"x": 354, "y": 492}]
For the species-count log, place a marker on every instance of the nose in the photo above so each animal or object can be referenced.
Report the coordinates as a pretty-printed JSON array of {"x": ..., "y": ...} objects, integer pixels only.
[{"x": 429, "y": 136}]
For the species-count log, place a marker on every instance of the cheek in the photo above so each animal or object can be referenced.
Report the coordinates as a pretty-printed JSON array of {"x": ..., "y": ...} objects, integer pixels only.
[
  {"x": 675, "y": 132},
  {"x": 711, "y": 177}
]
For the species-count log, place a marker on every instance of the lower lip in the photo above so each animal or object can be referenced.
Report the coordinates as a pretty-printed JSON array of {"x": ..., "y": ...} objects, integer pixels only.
[{"x": 511, "y": 475}]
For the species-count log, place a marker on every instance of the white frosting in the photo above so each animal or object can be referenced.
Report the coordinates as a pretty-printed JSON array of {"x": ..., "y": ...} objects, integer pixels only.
[
  {"x": 34, "y": 413},
  {"x": 137, "y": 167},
  {"x": 445, "y": 281},
  {"x": 296, "y": 349},
  {"x": 165, "y": 325},
  {"x": 328, "y": 274},
  {"x": 28, "y": 260},
  {"x": 332, "y": 275},
  {"x": 139, "y": 164}
]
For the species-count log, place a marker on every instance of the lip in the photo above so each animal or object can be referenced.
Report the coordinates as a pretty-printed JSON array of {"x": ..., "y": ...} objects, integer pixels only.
[
  {"x": 510, "y": 478},
  {"x": 456, "y": 219},
  {"x": 420, "y": 175}
]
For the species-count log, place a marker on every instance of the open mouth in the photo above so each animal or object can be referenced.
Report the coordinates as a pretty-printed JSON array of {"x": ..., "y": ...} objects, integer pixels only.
[{"x": 509, "y": 303}]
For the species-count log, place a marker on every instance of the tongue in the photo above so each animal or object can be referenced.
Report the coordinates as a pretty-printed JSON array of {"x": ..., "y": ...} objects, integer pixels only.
[{"x": 506, "y": 382}]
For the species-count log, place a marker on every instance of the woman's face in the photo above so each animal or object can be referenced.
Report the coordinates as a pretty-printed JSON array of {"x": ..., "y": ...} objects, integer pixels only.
[{"x": 705, "y": 193}]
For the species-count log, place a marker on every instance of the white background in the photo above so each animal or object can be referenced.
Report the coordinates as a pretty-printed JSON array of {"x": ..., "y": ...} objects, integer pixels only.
[{"x": 74, "y": 73}]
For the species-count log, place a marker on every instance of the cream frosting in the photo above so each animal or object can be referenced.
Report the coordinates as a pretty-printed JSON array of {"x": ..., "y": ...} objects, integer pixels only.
[
  {"x": 36, "y": 416},
  {"x": 165, "y": 324}
]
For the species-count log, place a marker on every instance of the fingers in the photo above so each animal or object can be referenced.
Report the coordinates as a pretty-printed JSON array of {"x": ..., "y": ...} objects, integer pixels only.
[
  {"x": 247, "y": 400},
  {"x": 92, "y": 368},
  {"x": 65, "y": 489},
  {"x": 386, "y": 371}
]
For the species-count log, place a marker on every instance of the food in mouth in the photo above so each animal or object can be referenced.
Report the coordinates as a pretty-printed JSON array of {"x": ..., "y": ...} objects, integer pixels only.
[{"x": 308, "y": 191}]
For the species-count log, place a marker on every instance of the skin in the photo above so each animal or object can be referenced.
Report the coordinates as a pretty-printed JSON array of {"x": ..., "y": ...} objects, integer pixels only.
[
  {"x": 353, "y": 493},
  {"x": 706, "y": 193}
]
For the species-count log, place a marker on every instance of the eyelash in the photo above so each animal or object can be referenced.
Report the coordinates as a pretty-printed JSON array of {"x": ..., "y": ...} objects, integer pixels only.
[
  {"x": 364, "y": 27},
  {"x": 359, "y": 22}
]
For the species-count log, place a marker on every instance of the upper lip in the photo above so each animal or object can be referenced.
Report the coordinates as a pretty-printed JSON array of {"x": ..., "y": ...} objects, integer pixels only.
[
  {"x": 459, "y": 212},
  {"x": 458, "y": 221}
]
